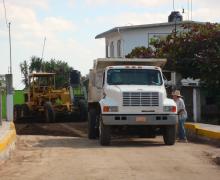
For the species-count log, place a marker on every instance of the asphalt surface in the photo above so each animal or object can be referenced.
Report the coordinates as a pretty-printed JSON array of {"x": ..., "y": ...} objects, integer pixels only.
[{"x": 61, "y": 151}]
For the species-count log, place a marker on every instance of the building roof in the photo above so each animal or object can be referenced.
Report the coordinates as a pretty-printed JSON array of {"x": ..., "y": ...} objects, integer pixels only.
[{"x": 143, "y": 26}]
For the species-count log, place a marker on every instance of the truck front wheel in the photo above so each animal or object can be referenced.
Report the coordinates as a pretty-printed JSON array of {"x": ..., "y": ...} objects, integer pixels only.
[
  {"x": 92, "y": 129},
  {"x": 169, "y": 135},
  {"x": 104, "y": 134}
]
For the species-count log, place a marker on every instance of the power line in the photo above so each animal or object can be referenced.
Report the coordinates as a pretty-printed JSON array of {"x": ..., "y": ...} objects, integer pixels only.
[{"x": 5, "y": 10}]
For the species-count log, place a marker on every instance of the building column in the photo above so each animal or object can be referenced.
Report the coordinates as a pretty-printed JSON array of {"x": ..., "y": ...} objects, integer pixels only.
[
  {"x": 9, "y": 98},
  {"x": 173, "y": 78},
  {"x": 196, "y": 105}
]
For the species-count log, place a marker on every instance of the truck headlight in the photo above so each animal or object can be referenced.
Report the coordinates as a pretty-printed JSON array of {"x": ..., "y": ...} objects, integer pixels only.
[
  {"x": 110, "y": 108},
  {"x": 169, "y": 108}
]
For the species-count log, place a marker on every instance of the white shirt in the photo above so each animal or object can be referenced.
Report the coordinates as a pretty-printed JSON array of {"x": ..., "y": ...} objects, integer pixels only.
[{"x": 181, "y": 105}]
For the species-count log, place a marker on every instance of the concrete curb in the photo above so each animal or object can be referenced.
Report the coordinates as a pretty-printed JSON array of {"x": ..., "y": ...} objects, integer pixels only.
[
  {"x": 7, "y": 142},
  {"x": 198, "y": 131}
]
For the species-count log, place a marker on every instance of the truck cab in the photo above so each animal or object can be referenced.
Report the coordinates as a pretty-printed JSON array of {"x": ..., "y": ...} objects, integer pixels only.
[{"x": 130, "y": 94}]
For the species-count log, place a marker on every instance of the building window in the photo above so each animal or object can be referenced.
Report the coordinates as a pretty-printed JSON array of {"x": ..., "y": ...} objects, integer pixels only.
[
  {"x": 119, "y": 48},
  {"x": 112, "y": 49}
]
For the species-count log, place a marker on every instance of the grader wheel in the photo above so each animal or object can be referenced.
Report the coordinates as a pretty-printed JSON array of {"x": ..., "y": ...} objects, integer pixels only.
[{"x": 49, "y": 113}]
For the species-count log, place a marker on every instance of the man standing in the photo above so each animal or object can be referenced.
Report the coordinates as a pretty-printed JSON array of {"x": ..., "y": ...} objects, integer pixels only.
[{"x": 182, "y": 115}]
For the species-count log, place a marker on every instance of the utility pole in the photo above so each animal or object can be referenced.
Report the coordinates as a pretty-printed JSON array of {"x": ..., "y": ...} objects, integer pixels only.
[
  {"x": 9, "y": 31},
  {"x": 9, "y": 77},
  {"x": 191, "y": 10},
  {"x": 42, "y": 56}
]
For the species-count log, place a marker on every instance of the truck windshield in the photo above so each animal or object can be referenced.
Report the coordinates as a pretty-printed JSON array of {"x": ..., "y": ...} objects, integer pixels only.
[{"x": 134, "y": 77}]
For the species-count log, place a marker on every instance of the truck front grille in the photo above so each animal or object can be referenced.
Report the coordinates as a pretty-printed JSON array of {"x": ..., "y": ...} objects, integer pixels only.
[{"x": 140, "y": 99}]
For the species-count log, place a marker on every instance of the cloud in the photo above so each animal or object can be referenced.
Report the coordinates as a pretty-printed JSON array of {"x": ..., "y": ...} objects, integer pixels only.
[
  {"x": 127, "y": 18},
  {"x": 44, "y": 4},
  {"x": 206, "y": 15},
  {"x": 141, "y": 3},
  {"x": 26, "y": 25},
  {"x": 28, "y": 32},
  {"x": 72, "y": 2},
  {"x": 137, "y": 3},
  {"x": 95, "y": 2}
]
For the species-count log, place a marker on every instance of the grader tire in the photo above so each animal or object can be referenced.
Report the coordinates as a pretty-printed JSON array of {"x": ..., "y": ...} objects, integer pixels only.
[
  {"x": 49, "y": 113},
  {"x": 17, "y": 112},
  {"x": 25, "y": 111}
]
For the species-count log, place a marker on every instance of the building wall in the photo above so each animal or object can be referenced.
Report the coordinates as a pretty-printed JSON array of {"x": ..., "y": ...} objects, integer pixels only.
[
  {"x": 136, "y": 38},
  {"x": 113, "y": 38}
]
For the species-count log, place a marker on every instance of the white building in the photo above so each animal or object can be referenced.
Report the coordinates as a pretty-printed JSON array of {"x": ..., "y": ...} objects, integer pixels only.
[{"x": 120, "y": 41}]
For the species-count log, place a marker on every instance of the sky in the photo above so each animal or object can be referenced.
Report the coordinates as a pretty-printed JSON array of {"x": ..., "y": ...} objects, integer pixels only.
[{"x": 70, "y": 27}]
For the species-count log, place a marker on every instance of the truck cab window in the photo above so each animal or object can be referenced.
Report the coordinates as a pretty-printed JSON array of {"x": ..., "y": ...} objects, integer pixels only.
[{"x": 134, "y": 77}]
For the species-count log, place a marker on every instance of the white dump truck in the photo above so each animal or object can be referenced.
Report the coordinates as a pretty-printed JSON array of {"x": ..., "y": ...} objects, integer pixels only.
[{"x": 129, "y": 94}]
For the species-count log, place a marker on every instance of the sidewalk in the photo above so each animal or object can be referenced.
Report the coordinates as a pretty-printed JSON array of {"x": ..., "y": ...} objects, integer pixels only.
[
  {"x": 7, "y": 139},
  {"x": 205, "y": 130}
]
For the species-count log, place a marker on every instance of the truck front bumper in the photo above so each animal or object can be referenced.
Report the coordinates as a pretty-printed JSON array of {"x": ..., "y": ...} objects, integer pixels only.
[{"x": 140, "y": 119}]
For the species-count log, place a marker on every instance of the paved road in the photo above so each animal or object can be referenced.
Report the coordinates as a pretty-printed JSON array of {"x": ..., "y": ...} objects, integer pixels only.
[{"x": 62, "y": 152}]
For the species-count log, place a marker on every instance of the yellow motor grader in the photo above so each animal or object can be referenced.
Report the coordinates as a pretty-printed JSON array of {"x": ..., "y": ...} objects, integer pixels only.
[{"x": 43, "y": 98}]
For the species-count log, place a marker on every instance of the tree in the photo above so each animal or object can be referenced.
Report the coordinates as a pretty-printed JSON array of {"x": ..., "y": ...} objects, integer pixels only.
[
  {"x": 195, "y": 53},
  {"x": 141, "y": 52},
  {"x": 36, "y": 64},
  {"x": 24, "y": 71}
]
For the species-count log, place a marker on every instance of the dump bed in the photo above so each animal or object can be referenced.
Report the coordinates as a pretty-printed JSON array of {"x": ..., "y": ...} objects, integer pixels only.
[
  {"x": 96, "y": 74},
  {"x": 102, "y": 63}
]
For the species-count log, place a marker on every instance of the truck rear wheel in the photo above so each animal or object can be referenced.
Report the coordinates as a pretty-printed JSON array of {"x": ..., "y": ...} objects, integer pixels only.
[
  {"x": 92, "y": 129},
  {"x": 83, "y": 112},
  {"x": 169, "y": 135},
  {"x": 49, "y": 112},
  {"x": 104, "y": 134}
]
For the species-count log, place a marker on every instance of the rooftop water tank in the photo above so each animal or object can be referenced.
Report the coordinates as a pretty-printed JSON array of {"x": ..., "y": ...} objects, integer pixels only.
[{"x": 175, "y": 16}]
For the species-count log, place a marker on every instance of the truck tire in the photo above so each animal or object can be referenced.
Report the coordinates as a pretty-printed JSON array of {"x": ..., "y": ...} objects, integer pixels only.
[
  {"x": 169, "y": 135},
  {"x": 83, "y": 112},
  {"x": 92, "y": 129},
  {"x": 49, "y": 112},
  {"x": 104, "y": 134},
  {"x": 17, "y": 112}
]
